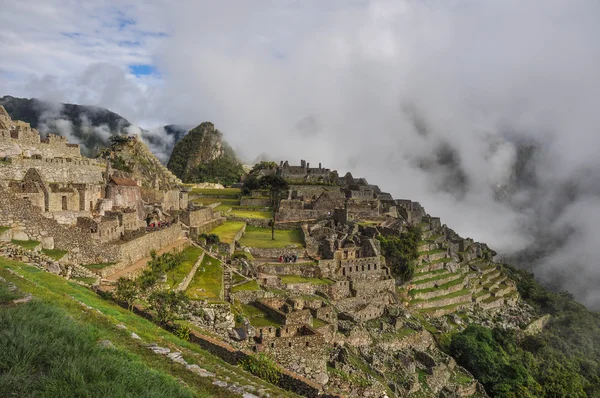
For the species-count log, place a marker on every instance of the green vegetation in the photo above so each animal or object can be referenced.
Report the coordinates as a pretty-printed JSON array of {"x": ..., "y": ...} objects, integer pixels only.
[
  {"x": 317, "y": 323},
  {"x": 262, "y": 366},
  {"x": 251, "y": 214},
  {"x": 250, "y": 285},
  {"x": 228, "y": 230},
  {"x": 223, "y": 200},
  {"x": 189, "y": 257},
  {"x": 101, "y": 320},
  {"x": 44, "y": 352},
  {"x": 26, "y": 244},
  {"x": 193, "y": 158},
  {"x": 301, "y": 279},
  {"x": 3, "y": 229},
  {"x": 257, "y": 317},
  {"x": 442, "y": 287},
  {"x": 208, "y": 280},
  {"x": 55, "y": 254},
  {"x": 401, "y": 252},
  {"x": 563, "y": 360},
  {"x": 225, "y": 195},
  {"x": 261, "y": 238},
  {"x": 89, "y": 281}
]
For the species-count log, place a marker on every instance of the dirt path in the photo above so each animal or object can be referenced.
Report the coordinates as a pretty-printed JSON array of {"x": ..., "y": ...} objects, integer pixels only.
[{"x": 142, "y": 263}]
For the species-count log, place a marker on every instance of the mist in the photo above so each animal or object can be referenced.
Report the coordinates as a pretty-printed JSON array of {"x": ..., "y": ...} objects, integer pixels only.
[{"x": 484, "y": 112}]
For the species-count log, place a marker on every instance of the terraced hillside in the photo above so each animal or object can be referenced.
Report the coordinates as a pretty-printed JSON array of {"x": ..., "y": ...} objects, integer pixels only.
[{"x": 443, "y": 284}]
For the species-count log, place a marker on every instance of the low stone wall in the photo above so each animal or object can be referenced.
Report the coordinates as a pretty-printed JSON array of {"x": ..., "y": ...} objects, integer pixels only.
[
  {"x": 207, "y": 226},
  {"x": 420, "y": 341},
  {"x": 275, "y": 253},
  {"x": 288, "y": 380},
  {"x": 306, "y": 270},
  {"x": 302, "y": 288},
  {"x": 274, "y": 313},
  {"x": 141, "y": 247},
  {"x": 249, "y": 296},
  {"x": 438, "y": 282},
  {"x": 444, "y": 302},
  {"x": 255, "y": 202},
  {"x": 437, "y": 293}
]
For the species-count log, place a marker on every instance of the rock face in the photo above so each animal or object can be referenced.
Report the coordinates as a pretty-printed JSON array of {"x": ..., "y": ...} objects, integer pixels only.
[{"x": 203, "y": 145}]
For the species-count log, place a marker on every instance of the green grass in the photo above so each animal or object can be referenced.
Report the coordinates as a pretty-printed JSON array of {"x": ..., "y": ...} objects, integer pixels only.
[
  {"x": 103, "y": 318},
  {"x": 252, "y": 214},
  {"x": 227, "y": 192},
  {"x": 237, "y": 278},
  {"x": 433, "y": 278},
  {"x": 228, "y": 230},
  {"x": 206, "y": 284},
  {"x": 209, "y": 201},
  {"x": 26, "y": 244},
  {"x": 440, "y": 287},
  {"x": 177, "y": 275},
  {"x": 301, "y": 279},
  {"x": 317, "y": 323},
  {"x": 447, "y": 296},
  {"x": 250, "y": 285},
  {"x": 3, "y": 229},
  {"x": 261, "y": 238},
  {"x": 98, "y": 266},
  {"x": 55, "y": 254},
  {"x": 257, "y": 316},
  {"x": 46, "y": 353},
  {"x": 224, "y": 208},
  {"x": 89, "y": 281},
  {"x": 441, "y": 260}
]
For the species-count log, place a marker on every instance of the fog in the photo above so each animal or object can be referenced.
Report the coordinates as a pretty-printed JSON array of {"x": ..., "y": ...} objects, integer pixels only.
[{"x": 483, "y": 111}]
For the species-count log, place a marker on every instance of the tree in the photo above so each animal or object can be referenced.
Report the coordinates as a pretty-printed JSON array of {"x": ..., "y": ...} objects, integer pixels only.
[
  {"x": 402, "y": 251},
  {"x": 127, "y": 290},
  {"x": 276, "y": 185},
  {"x": 167, "y": 304}
]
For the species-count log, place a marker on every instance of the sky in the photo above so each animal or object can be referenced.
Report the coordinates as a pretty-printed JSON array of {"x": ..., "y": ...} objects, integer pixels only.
[{"x": 483, "y": 111}]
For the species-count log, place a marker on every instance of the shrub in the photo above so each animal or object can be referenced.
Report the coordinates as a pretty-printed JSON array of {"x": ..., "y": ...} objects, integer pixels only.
[
  {"x": 401, "y": 252},
  {"x": 262, "y": 366},
  {"x": 183, "y": 332}
]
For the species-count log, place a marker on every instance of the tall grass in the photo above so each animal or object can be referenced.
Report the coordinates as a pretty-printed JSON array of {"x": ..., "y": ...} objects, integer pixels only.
[{"x": 45, "y": 353}]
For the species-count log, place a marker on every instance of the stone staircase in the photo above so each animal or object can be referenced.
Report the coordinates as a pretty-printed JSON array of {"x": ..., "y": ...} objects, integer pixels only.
[{"x": 227, "y": 282}]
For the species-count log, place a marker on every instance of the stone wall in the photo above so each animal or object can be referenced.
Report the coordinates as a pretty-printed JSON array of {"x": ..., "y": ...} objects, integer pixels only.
[
  {"x": 306, "y": 270},
  {"x": 25, "y": 218},
  {"x": 85, "y": 171},
  {"x": 275, "y": 253},
  {"x": 338, "y": 290},
  {"x": 255, "y": 202},
  {"x": 369, "y": 288},
  {"x": 194, "y": 218},
  {"x": 141, "y": 247},
  {"x": 249, "y": 296},
  {"x": 361, "y": 268}
]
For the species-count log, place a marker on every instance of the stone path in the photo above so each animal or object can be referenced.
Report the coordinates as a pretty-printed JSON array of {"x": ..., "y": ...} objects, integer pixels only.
[
  {"x": 186, "y": 281},
  {"x": 142, "y": 263}
]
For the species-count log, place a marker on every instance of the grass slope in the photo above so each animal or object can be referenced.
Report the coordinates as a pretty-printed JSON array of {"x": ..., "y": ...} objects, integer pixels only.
[
  {"x": 190, "y": 256},
  {"x": 207, "y": 281},
  {"x": 106, "y": 314},
  {"x": 44, "y": 352},
  {"x": 228, "y": 230}
]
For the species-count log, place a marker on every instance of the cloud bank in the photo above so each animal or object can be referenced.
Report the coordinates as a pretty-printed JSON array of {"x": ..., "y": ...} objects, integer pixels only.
[{"x": 485, "y": 112}]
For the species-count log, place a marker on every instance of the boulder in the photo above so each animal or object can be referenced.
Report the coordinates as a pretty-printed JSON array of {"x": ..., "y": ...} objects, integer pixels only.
[
  {"x": 106, "y": 344},
  {"x": 53, "y": 268},
  {"x": 322, "y": 378},
  {"x": 20, "y": 235},
  {"x": 47, "y": 242}
]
